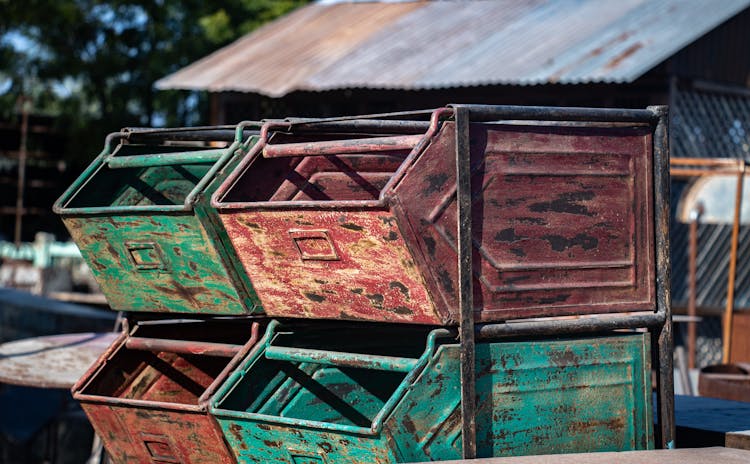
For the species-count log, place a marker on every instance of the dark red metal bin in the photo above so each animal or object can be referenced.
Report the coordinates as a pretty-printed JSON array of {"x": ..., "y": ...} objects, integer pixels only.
[
  {"x": 356, "y": 219},
  {"x": 147, "y": 395}
]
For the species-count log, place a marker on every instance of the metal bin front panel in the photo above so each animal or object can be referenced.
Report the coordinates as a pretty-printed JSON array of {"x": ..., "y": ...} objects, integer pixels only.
[
  {"x": 159, "y": 262},
  {"x": 562, "y": 219},
  {"x": 534, "y": 397},
  {"x": 330, "y": 264}
]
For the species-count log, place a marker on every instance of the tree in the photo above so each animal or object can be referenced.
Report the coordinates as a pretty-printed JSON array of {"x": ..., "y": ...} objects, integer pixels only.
[{"x": 93, "y": 63}]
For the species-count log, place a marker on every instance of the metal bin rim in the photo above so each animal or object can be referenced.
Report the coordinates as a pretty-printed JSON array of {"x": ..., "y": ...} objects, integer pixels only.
[
  {"x": 119, "y": 344},
  {"x": 417, "y": 143},
  {"x": 220, "y": 157},
  {"x": 377, "y": 423}
]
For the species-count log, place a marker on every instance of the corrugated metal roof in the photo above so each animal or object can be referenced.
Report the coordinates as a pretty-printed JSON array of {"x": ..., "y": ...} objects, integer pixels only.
[{"x": 431, "y": 44}]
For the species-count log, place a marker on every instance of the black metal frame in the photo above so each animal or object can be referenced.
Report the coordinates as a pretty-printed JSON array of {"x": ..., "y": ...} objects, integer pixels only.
[{"x": 659, "y": 323}]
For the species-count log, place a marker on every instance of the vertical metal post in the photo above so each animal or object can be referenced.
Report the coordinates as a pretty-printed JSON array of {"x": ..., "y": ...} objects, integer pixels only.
[
  {"x": 465, "y": 277},
  {"x": 727, "y": 325},
  {"x": 664, "y": 338},
  {"x": 21, "y": 169},
  {"x": 692, "y": 258}
]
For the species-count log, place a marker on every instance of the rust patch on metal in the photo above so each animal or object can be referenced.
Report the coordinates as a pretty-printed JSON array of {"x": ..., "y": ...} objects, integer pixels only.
[
  {"x": 315, "y": 297},
  {"x": 565, "y": 358},
  {"x": 565, "y": 203},
  {"x": 560, "y": 243},
  {"x": 507, "y": 235},
  {"x": 401, "y": 287},
  {"x": 630, "y": 51},
  {"x": 353, "y": 227}
]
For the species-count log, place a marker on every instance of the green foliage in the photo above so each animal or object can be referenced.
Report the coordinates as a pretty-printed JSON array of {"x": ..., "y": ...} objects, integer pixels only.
[
  {"x": 93, "y": 63},
  {"x": 260, "y": 12},
  {"x": 217, "y": 26}
]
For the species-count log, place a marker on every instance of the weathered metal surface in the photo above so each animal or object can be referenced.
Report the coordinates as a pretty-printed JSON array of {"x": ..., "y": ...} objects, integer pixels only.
[
  {"x": 739, "y": 439},
  {"x": 53, "y": 361},
  {"x": 678, "y": 456},
  {"x": 739, "y": 350},
  {"x": 585, "y": 394},
  {"x": 150, "y": 406},
  {"x": 662, "y": 337},
  {"x": 225, "y": 350},
  {"x": 138, "y": 217},
  {"x": 391, "y": 45},
  {"x": 658, "y": 322},
  {"x": 342, "y": 147},
  {"x": 330, "y": 264},
  {"x": 333, "y": 358},
  {"x": 534, "y": 397},
  {"x": 562, "y": 219},
  {"x": 466, "y": 283},
  {"x": 725, "y": 381}
]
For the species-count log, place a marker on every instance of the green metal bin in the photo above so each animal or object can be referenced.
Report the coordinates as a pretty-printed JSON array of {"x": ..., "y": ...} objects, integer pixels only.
[
  {"x": 139, "y": 215},
  {"x": 292, "y": 401}
]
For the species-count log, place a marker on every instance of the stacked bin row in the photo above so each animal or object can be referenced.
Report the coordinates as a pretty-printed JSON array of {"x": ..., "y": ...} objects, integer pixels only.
[{"x": 353, "y": 223}]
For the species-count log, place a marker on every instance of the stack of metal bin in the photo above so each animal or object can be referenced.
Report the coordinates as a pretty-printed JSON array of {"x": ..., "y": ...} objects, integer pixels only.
[{"x": 492, "y": 281}]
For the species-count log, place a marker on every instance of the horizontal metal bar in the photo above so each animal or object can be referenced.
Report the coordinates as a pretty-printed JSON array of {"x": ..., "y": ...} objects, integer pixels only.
[
  {"x": 686, "y": 173},
  {"x": 135, "y": 403},
  {"x": 359, "y": 125},
  {"x": 337, "y": 147},
  {"x": 223, "y": 350},
  {"x": 208, "y": 135},
  {"x": 396, "y": 115},
  {"x": 173, "y": 130},
  {"x": 548, "y": 113},
  {"x": 228, "y": 133},
  {"x": 166, "y": 159},
  {"x": 569, "y": 326},
  {"x": 291, "y": 421},
  {"x": 706, "y": 162},
  {"x": 339, "y": 359},
  {"x": 123, "y": 209}
]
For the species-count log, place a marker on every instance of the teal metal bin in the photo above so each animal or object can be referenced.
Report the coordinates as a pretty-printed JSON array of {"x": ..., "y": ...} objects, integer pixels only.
[
  {"x": 299, "y": 398},
  {"x": 140, "y": 216}
]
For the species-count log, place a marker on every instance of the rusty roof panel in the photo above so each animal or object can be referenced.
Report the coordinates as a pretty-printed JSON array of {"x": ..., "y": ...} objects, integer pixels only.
[
  {"x": 431, "y": 44},
  {"x": 276, "y": 58}
]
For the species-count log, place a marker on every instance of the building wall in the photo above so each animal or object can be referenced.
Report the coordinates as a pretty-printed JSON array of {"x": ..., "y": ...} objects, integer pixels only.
[{"x": 234, "y": 107}]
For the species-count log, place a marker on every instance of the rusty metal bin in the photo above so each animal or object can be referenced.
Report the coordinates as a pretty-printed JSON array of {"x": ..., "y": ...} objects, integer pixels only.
[
  {"x": 725, "y": 381},
  {"x": 365, "y": 227},
  {"x": 306, "y": 397},
  {"x": 139, "y": 215},
  {"x": 146, "y": 396}
]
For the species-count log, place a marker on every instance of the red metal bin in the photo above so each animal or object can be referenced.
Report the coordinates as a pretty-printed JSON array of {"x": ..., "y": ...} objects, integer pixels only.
[
  {"x": 147, "y": 395},
  {"x": 364, "y": 226}
]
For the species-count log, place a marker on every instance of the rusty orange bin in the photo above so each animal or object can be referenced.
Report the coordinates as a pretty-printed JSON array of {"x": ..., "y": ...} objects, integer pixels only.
[
  {"x": 147, "y": 395},
  {"x": 357, "y": 219}
]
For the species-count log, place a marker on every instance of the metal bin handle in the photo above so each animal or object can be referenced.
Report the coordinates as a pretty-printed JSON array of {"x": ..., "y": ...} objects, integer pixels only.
[
  {"x": 222, "y": 350},
  {"x": 339, "y": 147},
  {"x": 340, "y": 359},
  {"x": 165, "y": 159}
]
